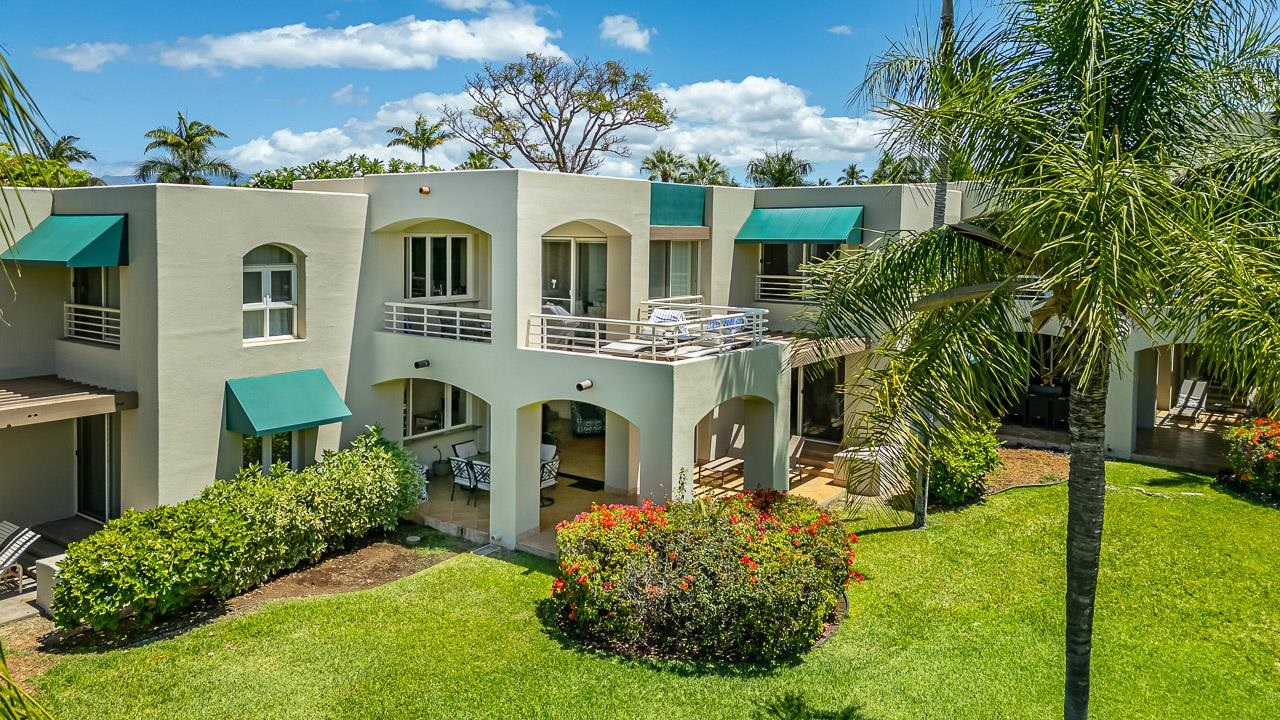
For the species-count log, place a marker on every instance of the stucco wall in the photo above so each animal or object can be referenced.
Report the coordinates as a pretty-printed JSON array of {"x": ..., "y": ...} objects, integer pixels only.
[
  {"x": 31, "y": 297},
  {"x": 37, "y": 472}
]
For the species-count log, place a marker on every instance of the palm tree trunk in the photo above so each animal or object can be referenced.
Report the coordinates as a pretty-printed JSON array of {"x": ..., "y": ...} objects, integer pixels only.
[
  {"x": 946, "y": 39},
  {"x": 1086, "y": 487}
]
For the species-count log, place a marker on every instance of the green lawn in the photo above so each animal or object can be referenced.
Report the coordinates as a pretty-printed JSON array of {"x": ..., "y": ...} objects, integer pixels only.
[{"x": 960, "y": 621}]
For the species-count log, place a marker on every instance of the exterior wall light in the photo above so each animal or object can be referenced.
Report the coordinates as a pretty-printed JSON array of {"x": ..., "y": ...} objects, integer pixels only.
[
  {"x": 422, "y": 364},
  {"x": 583, "y": 385},
  {"x": 424, "y": 190}
]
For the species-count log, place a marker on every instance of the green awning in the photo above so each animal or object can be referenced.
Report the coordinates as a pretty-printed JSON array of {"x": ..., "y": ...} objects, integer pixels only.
[
  {"x": 73, "y": 241},
  {"x": 269, "y": 404},
  {"x": 813, "y": 225}
]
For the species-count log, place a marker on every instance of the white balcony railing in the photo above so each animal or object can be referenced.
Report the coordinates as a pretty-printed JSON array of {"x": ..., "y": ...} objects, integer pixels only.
[
  {"x": 781, "y": 288},
  {"x": 442, "y": 321},
  {"x": 682, "y": 331},
  {"x": 91, "y": 322}
]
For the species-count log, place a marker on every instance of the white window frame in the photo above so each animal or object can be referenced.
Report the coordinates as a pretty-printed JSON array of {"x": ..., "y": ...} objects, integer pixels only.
[
  {"x": 295, "y": 450},
  {"x": 267, "y": 304},
  {"x": 448, "y": 297},
  {"x": 446, "y": 414},
  {"x": 573, "y": 242},
  {"x": 695, "y": 278}
]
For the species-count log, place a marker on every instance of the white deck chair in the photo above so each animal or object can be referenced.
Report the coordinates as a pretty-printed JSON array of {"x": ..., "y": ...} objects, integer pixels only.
[
  {"x": 13, "y": 543},
  {"x": 548, "y": 451},
  {"x": 1191, "y": 405},
  {"x": 465, "y": 450}
]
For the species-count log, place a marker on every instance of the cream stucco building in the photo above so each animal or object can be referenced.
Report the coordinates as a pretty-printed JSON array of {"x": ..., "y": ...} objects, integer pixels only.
[{"x": 162, "y": 336}]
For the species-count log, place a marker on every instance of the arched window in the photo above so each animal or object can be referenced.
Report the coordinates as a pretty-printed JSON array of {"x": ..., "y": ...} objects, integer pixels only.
[{"x": 270, "y": 294}]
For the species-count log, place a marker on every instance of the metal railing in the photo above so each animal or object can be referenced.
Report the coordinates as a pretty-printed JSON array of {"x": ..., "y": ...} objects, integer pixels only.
[
  {"x": 781, "y": 288},
  {"x": 91, "y": 322},
  {"x": 442, "y": 321},
  {"x": 684, "y": 331}
]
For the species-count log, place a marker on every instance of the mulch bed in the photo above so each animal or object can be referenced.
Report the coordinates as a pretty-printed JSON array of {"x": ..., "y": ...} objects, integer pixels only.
[
  {"x": 34, "y": 645},
  {"x": 1027, "y": 466}
]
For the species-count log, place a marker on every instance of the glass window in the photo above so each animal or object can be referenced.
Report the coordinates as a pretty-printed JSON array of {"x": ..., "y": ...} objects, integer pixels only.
[
  {"x": 673, "y": 268},
  {"x": 269, "y": 293},
  {"x": 659, "y": 270},
  {"x": 590, "y": 292},
  {"x": 252, "y": 451},
  {"x": 268, "y": 450},
  {"x": 557, "y": 272},
  {"x": 432, "y": 406},
  {"x": 437, "y": 267}
]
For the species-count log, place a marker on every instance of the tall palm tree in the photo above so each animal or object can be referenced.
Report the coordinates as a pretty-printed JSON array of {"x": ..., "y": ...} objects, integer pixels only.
[
  {"x": 476, "y": 160},
  {"x": 706, "y": 170},
  {"x": 424, "y": 136},
  {"x": 853, "y": 175},
  {"x": 65, "y": 150},
  {"x": 779, "y": 169},
  {"x": 187, "y": 160},
  {"x": 664, "y": 165},
  {"x": 899, "y": 169},
  {"x": 1121, "y": 151}
]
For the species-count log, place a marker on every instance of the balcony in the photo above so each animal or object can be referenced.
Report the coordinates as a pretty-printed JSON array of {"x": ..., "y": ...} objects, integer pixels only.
[
  {"x": 781, "y": 288},
  {"x": 91, "y": 322},
  {"x": 440, "y": 321},
  {"x": 670, "y": 329}
]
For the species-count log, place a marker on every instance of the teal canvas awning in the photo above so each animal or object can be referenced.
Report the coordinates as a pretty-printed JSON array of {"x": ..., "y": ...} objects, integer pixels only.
[
  {"x": 74, "y": 241},
  {"x": 812, "y": 225},
  {"x": 270, "y": 404}
]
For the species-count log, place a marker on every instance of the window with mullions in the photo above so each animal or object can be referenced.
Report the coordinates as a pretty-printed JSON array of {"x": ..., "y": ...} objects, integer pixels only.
[
  {"x": 270, "y": 300},
  {"x": 437, "y": 267}
]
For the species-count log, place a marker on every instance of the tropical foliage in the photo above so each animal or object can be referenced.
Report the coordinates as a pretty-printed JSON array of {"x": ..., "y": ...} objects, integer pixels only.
[
  {"x": 852, "y": 174},
  {"x": 1253, "y": 450},
  {"x": 16, "y": 703},
  {"x": 29, "y": 170},
  {"x": 555, "y": 113},
  {"x": 20, "y": 133},
  {"x": 1100, "y": 130},
  {"x": 186, "y": 159},
  {"x": 476, "y": 160},
  {"x": 349, "y": 166},
  {"x": 706, "y": 170},
  {"x": 755, "y": 576},
  {"x": 66, "y": 151},
  {"x": 423, "y": 136},
  {"x": 779, "y": 169},
  {"x": 893, "y": 170},
  {"x": 235, "y": 535},
  {"x": 664, "y": 165},
  {"x": 962, "y": 458}
]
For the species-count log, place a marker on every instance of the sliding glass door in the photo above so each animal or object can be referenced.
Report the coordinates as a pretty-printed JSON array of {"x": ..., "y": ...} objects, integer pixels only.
[
  {"x": 575, "y": 275},
  {"x": 97, "y": 467}
]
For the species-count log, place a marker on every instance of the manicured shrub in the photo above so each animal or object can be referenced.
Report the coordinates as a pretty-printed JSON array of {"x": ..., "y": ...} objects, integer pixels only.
[
  {"x": 236, "y": 534},
  {"x": 962, "y": 459},
  {"x": 1253, "y": 451},
  {"x": 752, "y": 577}
]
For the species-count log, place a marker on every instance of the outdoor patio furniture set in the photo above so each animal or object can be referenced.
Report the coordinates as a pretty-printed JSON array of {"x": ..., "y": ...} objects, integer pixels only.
[
  {"x": 14, "y": 541},
  {"x": 471, "y": 470}
]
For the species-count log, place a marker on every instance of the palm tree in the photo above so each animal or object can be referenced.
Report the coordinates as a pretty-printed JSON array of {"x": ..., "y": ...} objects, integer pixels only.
[
  {"x": 779, "y": 169},
  {"x": 894, "y": 169},
  {"x": 20, "y": 130},
  {"x": 476, "y": 160},
  {"x": 853, "y": 175},
  {"x": 664, "y": 165},
  {"x": 706, "y": 170},
  {"x": 65, "y": 150},
  {"x": 187, "y": 160},
  {"x": 1127, "y": 173},
  {"x": 424, "y": 136}
]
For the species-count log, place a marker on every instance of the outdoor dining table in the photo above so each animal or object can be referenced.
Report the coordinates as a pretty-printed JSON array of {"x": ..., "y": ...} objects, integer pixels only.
[{"x": 483, "y": 459}]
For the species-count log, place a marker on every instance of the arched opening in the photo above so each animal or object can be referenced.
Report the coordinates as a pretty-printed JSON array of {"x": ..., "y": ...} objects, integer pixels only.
[
  {"x": 445, "y": 272},
  {"x": 585, "y": 270},
  {"x": 272, "y": 292}
]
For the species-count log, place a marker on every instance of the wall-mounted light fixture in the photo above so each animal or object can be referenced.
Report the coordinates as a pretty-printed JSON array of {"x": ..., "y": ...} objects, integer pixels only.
[
  {"x": 583, "y": 385},
  {"x": 422, "y": 364},
  {"x": 424, "y": 190}
]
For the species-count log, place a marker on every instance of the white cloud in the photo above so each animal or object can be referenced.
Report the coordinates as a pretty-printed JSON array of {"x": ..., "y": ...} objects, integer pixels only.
[
  {"x": 624, "y": 31},
  {"x": 840, "y": 30},
  {"x": 85, "y": 57},
  {"x": 349, "y": 94},
  {"x": 735, "y": 121},
  {"x": 408, "y": 43}
]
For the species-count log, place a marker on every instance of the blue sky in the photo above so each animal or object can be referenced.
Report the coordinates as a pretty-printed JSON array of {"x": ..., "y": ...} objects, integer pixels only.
[{"x": 295, "y": 81}]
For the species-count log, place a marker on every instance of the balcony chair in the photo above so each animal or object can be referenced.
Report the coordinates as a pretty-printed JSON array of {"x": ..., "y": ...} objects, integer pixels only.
[
  {"x": 461, "y": 475},
  {"x": 15, "y": 541},
  {"x": 481, "y": 473},
  {"x": 548, "y": 476},
  {"x": 1189, "y": 405},
  {"x": 466, "y": 450}
]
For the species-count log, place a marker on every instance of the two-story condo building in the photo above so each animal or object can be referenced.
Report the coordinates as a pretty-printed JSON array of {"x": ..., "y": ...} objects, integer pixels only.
[{"x": 162, "y": 336}]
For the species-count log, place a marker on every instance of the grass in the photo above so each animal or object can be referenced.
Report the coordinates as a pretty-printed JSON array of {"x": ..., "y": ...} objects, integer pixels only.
[{"x": 963, "y": 620}]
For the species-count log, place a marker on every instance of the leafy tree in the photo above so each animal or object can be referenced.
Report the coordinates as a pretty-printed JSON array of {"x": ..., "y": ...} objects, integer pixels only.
[
  {"x": 1121, "y": 149},
  {"x": 823, "y": 182},
  {"x": 476, "y": 160},
  {"x": 424, "y": 136},
  {"x": 350, "y": 166},
  {"x": 65, "y": 150},
  {"x": 779, "y": 169},
  {"x": 664, "y": 165},
  {"x": 27, "y": 170},
  {"x": 852, "y": 175},
  {"x": 706, "y": 170},
  {"x": 896, "y": 170},
  {"x": 557, "y": 114},
  {"x": 187, "y": 160}
]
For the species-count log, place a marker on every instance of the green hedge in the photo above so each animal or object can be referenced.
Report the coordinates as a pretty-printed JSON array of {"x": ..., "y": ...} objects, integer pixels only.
[
  {"x": 235, "y": 535},
  {"x": 753, "y": 577},
  {"x": 962, "y": 459}
]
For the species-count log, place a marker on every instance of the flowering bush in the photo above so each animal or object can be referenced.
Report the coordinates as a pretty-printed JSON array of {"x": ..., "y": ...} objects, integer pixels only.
[
  {"x": 756, "y": 576},
  {"x": 236, "y": 534},
  {"x": 1253, "y": 450}
]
